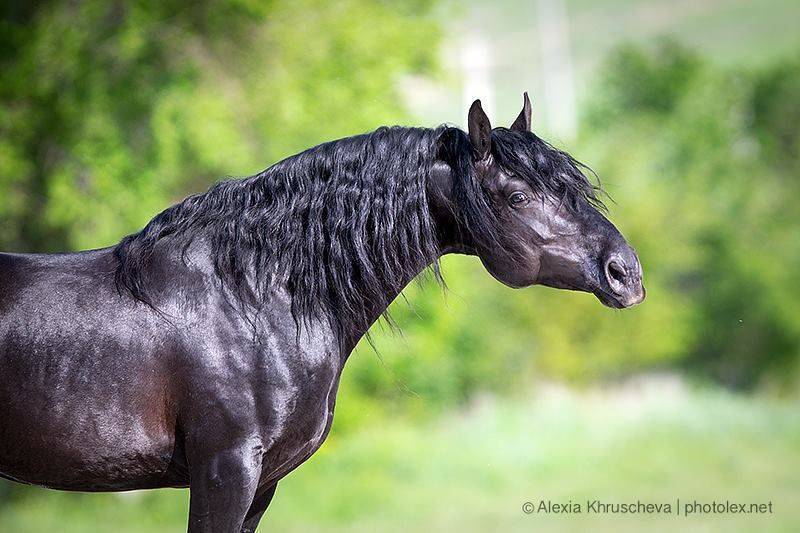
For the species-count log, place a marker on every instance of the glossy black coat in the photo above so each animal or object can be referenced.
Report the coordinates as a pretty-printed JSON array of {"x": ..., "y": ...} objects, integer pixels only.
[{"x": 100, "y": 391}]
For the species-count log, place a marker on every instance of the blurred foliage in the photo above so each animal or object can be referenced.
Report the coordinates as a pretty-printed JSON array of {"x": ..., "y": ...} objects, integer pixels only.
[
  {"x": 109, "y": 111},
  {"x": 719, "y": 177}
]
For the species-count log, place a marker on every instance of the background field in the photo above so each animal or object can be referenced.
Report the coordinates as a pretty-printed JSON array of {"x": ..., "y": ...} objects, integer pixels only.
[
  {"x": 689, "y": 113},
  {"x": 471, "y": 470}
]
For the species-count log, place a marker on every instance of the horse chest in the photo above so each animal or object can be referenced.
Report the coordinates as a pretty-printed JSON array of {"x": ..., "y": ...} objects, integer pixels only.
[{"x": 304, "y": 426}]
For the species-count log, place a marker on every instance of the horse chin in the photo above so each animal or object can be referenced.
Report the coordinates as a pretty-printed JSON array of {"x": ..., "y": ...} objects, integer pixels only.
[{"x": 608, "y": 300}]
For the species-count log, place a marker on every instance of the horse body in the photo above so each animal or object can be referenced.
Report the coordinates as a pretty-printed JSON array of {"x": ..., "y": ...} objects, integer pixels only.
[
  {"x": 71, "y": 349},
  {"x": 122, "y": 389},
  {"x": 206, "y": 350}
]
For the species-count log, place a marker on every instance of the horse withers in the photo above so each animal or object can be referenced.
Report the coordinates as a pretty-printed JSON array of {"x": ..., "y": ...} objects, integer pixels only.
[{"x": 205, "y": 350}]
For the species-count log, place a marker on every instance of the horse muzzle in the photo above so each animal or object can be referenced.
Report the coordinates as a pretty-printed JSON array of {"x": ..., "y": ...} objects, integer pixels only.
[{"x": 622, "y": 278}]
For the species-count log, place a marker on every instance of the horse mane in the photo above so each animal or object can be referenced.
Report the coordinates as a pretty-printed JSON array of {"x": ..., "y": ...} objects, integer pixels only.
[
  {"x": 548, "y": 170},
  {"x": 345, "y": 224}
]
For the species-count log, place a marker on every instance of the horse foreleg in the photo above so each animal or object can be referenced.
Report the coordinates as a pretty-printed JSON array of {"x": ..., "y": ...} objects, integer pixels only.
[
  {"x": 222, "y": 487},
  {"x": 256, "y": 511}
]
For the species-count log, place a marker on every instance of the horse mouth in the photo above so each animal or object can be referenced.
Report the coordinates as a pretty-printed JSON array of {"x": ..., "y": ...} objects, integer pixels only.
[
  {"x": 612, "y": 301},
  {"x": 608, "y": 300}
]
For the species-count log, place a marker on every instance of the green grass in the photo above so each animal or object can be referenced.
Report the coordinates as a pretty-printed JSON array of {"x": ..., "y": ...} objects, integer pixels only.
[{"x": 472, "y": 470}]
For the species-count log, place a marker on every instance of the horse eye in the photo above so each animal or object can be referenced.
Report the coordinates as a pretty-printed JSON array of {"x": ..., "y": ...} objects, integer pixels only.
[{"x": 517, "y": 199}]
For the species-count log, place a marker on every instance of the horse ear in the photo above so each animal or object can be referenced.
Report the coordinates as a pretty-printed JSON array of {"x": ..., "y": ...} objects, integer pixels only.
[
  {"x": 523, "y": 121},
  {"x": 480, "y": 132}
]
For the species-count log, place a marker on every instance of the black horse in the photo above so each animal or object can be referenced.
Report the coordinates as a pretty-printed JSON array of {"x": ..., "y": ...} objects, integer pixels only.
[{"x": 206, "y": 350}]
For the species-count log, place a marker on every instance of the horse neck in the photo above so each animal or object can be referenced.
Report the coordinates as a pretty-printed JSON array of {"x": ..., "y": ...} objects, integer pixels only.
[{"x": 441, "y": 205}]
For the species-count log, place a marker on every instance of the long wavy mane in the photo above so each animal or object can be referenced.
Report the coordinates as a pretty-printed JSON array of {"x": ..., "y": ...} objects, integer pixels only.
[{"x": 345, "y": 224}]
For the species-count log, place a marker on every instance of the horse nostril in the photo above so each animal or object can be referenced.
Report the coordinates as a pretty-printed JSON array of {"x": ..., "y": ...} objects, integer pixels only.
[
  {"x": 621, "y": 276},
  {"x": 616, "y": 272}
]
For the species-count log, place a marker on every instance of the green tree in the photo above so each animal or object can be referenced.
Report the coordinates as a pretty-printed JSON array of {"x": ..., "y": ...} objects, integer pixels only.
[
  {"x": 703, "y": 161},
  {"x": 110, "y": 111}
]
